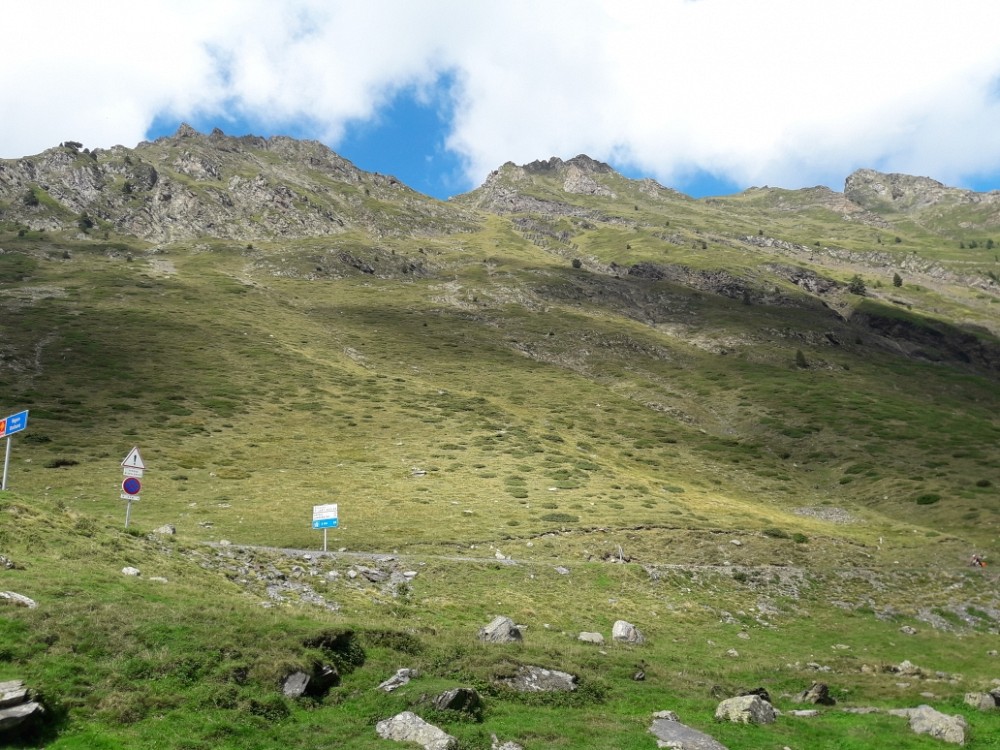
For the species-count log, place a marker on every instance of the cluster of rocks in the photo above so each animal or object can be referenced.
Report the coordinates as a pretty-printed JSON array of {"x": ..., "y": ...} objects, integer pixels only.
[
  {"x": 503, "y": 630},
  {"x": 526, "y": 678},
  {"x": 755, "y": 707},
  {"x": 290, "y": 576}
]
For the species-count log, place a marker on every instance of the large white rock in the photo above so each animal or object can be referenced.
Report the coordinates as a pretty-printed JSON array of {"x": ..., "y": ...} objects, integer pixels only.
[
  {"x": 19, "y": 599},
  {"x": 671, "y": 733},
  {"x": 626, "y": 632},
  {"x": 745, "y": 709},
  {"x": 500, "y": 630},
  {"x": 927, "y": 720},
  {"x": 408, "y": 727}
]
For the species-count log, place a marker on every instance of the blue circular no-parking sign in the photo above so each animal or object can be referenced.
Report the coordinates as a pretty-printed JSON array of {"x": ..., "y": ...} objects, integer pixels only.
[{"x": 131, "y": 486}]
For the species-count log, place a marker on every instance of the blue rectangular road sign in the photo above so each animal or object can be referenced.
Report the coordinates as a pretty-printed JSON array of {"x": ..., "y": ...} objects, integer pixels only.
[
  {"x": 13, "y": 423},
  {"x": 325, "y": 523}
]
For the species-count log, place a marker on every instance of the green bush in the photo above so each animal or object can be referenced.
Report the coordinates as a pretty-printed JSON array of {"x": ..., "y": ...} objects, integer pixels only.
[
  {"x": 928, "y": 498},
  {"x": 560, "y": 517}
]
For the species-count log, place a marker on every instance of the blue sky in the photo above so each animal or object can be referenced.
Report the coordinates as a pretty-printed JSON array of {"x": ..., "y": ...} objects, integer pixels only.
[
  {"x": 407, "y": 139},
  {"x": 705, "y": 96}
]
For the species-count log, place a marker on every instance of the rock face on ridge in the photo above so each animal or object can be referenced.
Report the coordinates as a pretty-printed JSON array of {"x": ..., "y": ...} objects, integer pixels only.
[
  {"x": 192, "y": 185},
  {"x": 881, "y": 192}
]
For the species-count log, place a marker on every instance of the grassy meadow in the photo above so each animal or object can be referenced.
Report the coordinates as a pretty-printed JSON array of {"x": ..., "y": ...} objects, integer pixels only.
[{"x": 768, "y": 487}]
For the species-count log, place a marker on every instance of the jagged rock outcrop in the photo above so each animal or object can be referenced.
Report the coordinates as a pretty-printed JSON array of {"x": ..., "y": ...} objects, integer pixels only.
[
  {"x": 881, "y": 192},
  {"x": 192, "y": 185},
  {"x": 548, "y": 187}
]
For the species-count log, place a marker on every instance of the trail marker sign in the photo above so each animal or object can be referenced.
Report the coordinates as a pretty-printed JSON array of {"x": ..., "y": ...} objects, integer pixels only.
[
  {"x": 132, "y": 468},
  {"x": 8, "y": 426},
  {"x": 133, "y": 462},
  {"x": 325, "y": 517},
  {"x": 13, "y": 423}
]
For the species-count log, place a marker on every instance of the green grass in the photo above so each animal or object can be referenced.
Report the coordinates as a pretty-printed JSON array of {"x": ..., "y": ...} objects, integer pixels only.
[{"x": 655, "y": 438}]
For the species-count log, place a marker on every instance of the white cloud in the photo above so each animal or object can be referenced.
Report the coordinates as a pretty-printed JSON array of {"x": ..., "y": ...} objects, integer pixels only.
[{"x": 781, "y": 92}]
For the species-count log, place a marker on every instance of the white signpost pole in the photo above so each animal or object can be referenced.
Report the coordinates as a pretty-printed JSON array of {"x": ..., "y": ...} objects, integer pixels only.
[{"x": 6, "y": 463}]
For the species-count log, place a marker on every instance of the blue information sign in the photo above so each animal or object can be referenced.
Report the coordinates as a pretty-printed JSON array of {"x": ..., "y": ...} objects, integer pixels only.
[
  {"x": 325, "y": 523},
  {"x": 13, "y": 423}
]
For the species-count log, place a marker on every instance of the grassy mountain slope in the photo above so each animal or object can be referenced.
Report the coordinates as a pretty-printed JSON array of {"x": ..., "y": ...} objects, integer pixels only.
[{"x": 565, "y": 368}]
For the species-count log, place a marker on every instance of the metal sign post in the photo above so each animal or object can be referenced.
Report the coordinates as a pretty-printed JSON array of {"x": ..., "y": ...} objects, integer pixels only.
[
  {"x": 6, "y": 463},
  {"x": 132, "y": 468},
  {"x": 8, "y": 426},
  {"x": 325, "y": 517}
]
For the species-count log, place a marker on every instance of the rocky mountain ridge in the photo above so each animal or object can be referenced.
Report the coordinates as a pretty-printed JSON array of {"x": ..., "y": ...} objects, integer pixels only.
[
  {"x": 900, "y": 192},
  {"x": 192, "y": 185},
  {"x": 248, "y": 188}
]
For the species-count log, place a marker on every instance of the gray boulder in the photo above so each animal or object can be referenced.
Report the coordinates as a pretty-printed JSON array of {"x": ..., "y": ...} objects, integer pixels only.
[
  {"x": 408, "y": 727},
  {"x": 462, "y": 699},
  {"x": 12, "y": 693},
  {"x": 313, "y": 684},
  {"x": 19, "y": 600},
  {"x": 981, "y": 701},
  {"x": 19, "y": 714},
  {"x": 399, "y": 679},
  {"x": 16, "y": 707},
  {"x": 926, "y": 720},
  {"x": 500, "y": 630},
  {"x": 539, "y": 680},
  {"x": 168, "y": 529},
  {"x": 745, "y": 709},
  {"x": 295, "y": 684},
  {"x": 669, "y": 732},
  {"x": 495, "y": 744},
  {"x": 626, "y": 632},
  {"x": 818, "y": 693},
  {"x": 591, "y": 638},
  {"x": 130, "y": 571}
]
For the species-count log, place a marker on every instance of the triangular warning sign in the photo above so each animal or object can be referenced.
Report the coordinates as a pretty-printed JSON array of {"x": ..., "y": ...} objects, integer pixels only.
[{"x": 134, "y": 460}]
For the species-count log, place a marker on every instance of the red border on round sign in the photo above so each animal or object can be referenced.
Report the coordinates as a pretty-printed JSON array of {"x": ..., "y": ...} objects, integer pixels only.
[{"x": 130, "y": 482}]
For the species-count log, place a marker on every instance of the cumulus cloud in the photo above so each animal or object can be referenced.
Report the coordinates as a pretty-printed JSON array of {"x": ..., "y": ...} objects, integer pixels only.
[{"x": 780, "y": 92}]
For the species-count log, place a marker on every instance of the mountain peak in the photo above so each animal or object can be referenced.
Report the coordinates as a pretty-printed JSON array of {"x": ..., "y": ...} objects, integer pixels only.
[
  {"x": 902, "y": 192},
  {"x": 581, "y": 162}
]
